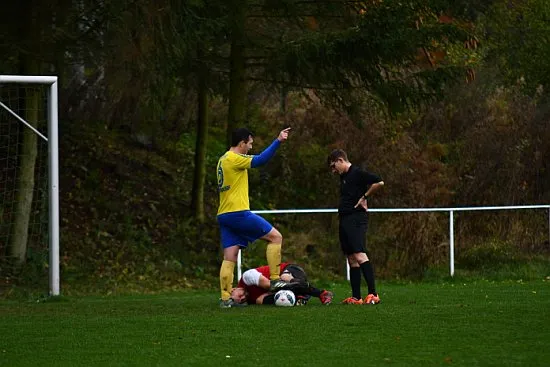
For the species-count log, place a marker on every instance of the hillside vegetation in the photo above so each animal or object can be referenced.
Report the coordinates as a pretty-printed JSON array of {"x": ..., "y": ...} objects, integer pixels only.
[
  {"x": 126, "y": 223},
  {"x": 446, "y": 100}
]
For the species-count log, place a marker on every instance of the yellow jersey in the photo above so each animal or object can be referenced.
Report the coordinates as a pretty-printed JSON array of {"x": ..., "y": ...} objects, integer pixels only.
[{"x": 232, "y": 175}]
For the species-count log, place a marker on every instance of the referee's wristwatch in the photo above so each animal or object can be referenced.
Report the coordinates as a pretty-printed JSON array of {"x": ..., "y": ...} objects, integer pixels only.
[{"x": 365, "y": 196}]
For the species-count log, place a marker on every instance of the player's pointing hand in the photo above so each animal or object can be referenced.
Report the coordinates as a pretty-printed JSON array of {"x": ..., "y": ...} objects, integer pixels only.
[{"x": 283, "y": 135}]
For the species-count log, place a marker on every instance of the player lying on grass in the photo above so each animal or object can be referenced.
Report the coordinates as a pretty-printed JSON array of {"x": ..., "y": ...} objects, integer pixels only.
[{"x": 255, "y": 287}]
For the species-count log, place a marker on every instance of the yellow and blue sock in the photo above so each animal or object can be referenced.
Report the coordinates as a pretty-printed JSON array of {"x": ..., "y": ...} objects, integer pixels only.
[
  {"x": 273, "y": 254},
  {"x": 227, "y": 271}
]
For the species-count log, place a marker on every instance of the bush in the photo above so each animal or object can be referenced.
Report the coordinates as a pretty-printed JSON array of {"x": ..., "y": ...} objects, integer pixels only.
[{"x": 487, "y": 255}]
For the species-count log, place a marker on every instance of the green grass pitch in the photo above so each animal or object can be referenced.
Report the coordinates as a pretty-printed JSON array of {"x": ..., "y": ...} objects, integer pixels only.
[{"x": 477, "y": 323}]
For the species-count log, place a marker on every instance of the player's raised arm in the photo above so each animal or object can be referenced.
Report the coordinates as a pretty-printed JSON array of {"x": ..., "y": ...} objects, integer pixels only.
[{"x": 269, "y": 152}]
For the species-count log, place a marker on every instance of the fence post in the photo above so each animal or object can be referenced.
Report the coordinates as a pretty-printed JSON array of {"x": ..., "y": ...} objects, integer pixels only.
[
  {"x": 239, "y": 266},
  {"x": 451, "y": 243}
]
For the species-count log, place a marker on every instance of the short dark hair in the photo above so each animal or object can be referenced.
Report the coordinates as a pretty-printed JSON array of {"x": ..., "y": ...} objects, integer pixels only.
[
  {"x": 241, "y": 134},
  {"x": 335, "y": 155}
]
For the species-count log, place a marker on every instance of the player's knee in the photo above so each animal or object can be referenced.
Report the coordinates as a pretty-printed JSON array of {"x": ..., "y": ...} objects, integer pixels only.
[
  {"x": 361, "y": 257},
  {"x": 275, "y": 236},
  {"x": 231, "y": 253},
  {"x": 352, "y": 261}
]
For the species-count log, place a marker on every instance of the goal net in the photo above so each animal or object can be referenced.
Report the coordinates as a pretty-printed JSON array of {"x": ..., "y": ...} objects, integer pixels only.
[{"x": 29, "y": 198}]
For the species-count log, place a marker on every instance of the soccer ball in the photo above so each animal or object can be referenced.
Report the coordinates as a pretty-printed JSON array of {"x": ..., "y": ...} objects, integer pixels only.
[{"x": 285, "y": 298}]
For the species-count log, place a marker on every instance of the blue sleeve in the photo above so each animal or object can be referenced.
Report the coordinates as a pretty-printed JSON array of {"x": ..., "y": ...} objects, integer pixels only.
[{"x": 265, "y": 156}]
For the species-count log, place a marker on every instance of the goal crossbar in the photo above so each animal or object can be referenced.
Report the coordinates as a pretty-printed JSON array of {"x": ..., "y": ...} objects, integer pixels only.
[{"x": 32, "y": 79}]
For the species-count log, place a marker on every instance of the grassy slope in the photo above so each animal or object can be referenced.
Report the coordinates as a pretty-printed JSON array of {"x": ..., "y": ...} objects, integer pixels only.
[
  {"x": 461, "y": 324},
  {"x": 125, "y": 217}
]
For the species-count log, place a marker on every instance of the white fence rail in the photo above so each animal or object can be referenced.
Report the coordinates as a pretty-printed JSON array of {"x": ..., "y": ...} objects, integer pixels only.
[{"x": 451, "y": 212}]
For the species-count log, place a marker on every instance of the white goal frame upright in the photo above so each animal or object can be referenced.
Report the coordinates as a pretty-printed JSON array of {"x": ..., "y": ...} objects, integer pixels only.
[{"x": 53, "y": 165}]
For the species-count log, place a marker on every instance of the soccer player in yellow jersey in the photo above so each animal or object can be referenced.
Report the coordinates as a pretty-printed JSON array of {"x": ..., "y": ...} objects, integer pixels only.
[{"x": 238, "y": 225}]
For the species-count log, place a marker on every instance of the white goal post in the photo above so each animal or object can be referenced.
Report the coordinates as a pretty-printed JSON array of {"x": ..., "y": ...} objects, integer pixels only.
[{"x": 53, "y": 166}]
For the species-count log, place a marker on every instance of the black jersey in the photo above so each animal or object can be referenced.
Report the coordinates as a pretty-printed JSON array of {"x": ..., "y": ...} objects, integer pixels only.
[{"x": 354, "y": 184}]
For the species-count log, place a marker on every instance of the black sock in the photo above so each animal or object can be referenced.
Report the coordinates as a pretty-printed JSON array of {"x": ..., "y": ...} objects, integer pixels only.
[
  {"x": 368, "y": 273},
  {"x": 269, "y": 299},
  {"x": 355, "y": 282},
  {"x": 315, "y": 292}
]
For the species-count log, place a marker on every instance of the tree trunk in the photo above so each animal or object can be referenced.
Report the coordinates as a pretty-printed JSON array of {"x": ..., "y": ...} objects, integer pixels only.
[
  {"x": 197, "y": 201},
  {"x": 28, "y": 65},
  {"x": 237, "y": 74},
  {"x": 25, "y": 185}
]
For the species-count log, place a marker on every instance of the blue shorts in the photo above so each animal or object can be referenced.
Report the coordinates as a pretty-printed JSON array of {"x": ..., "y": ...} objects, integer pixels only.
[{"x": 240, "y": 228}]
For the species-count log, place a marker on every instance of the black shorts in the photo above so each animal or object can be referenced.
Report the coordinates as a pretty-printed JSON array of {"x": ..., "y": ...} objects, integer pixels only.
[
  {"x": 296, "y": 271},
  {"x": 353, "y": 232}
]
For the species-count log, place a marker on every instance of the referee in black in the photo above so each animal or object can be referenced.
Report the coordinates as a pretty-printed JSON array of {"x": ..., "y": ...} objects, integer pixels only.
[{"x": 356, "y": 185}]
